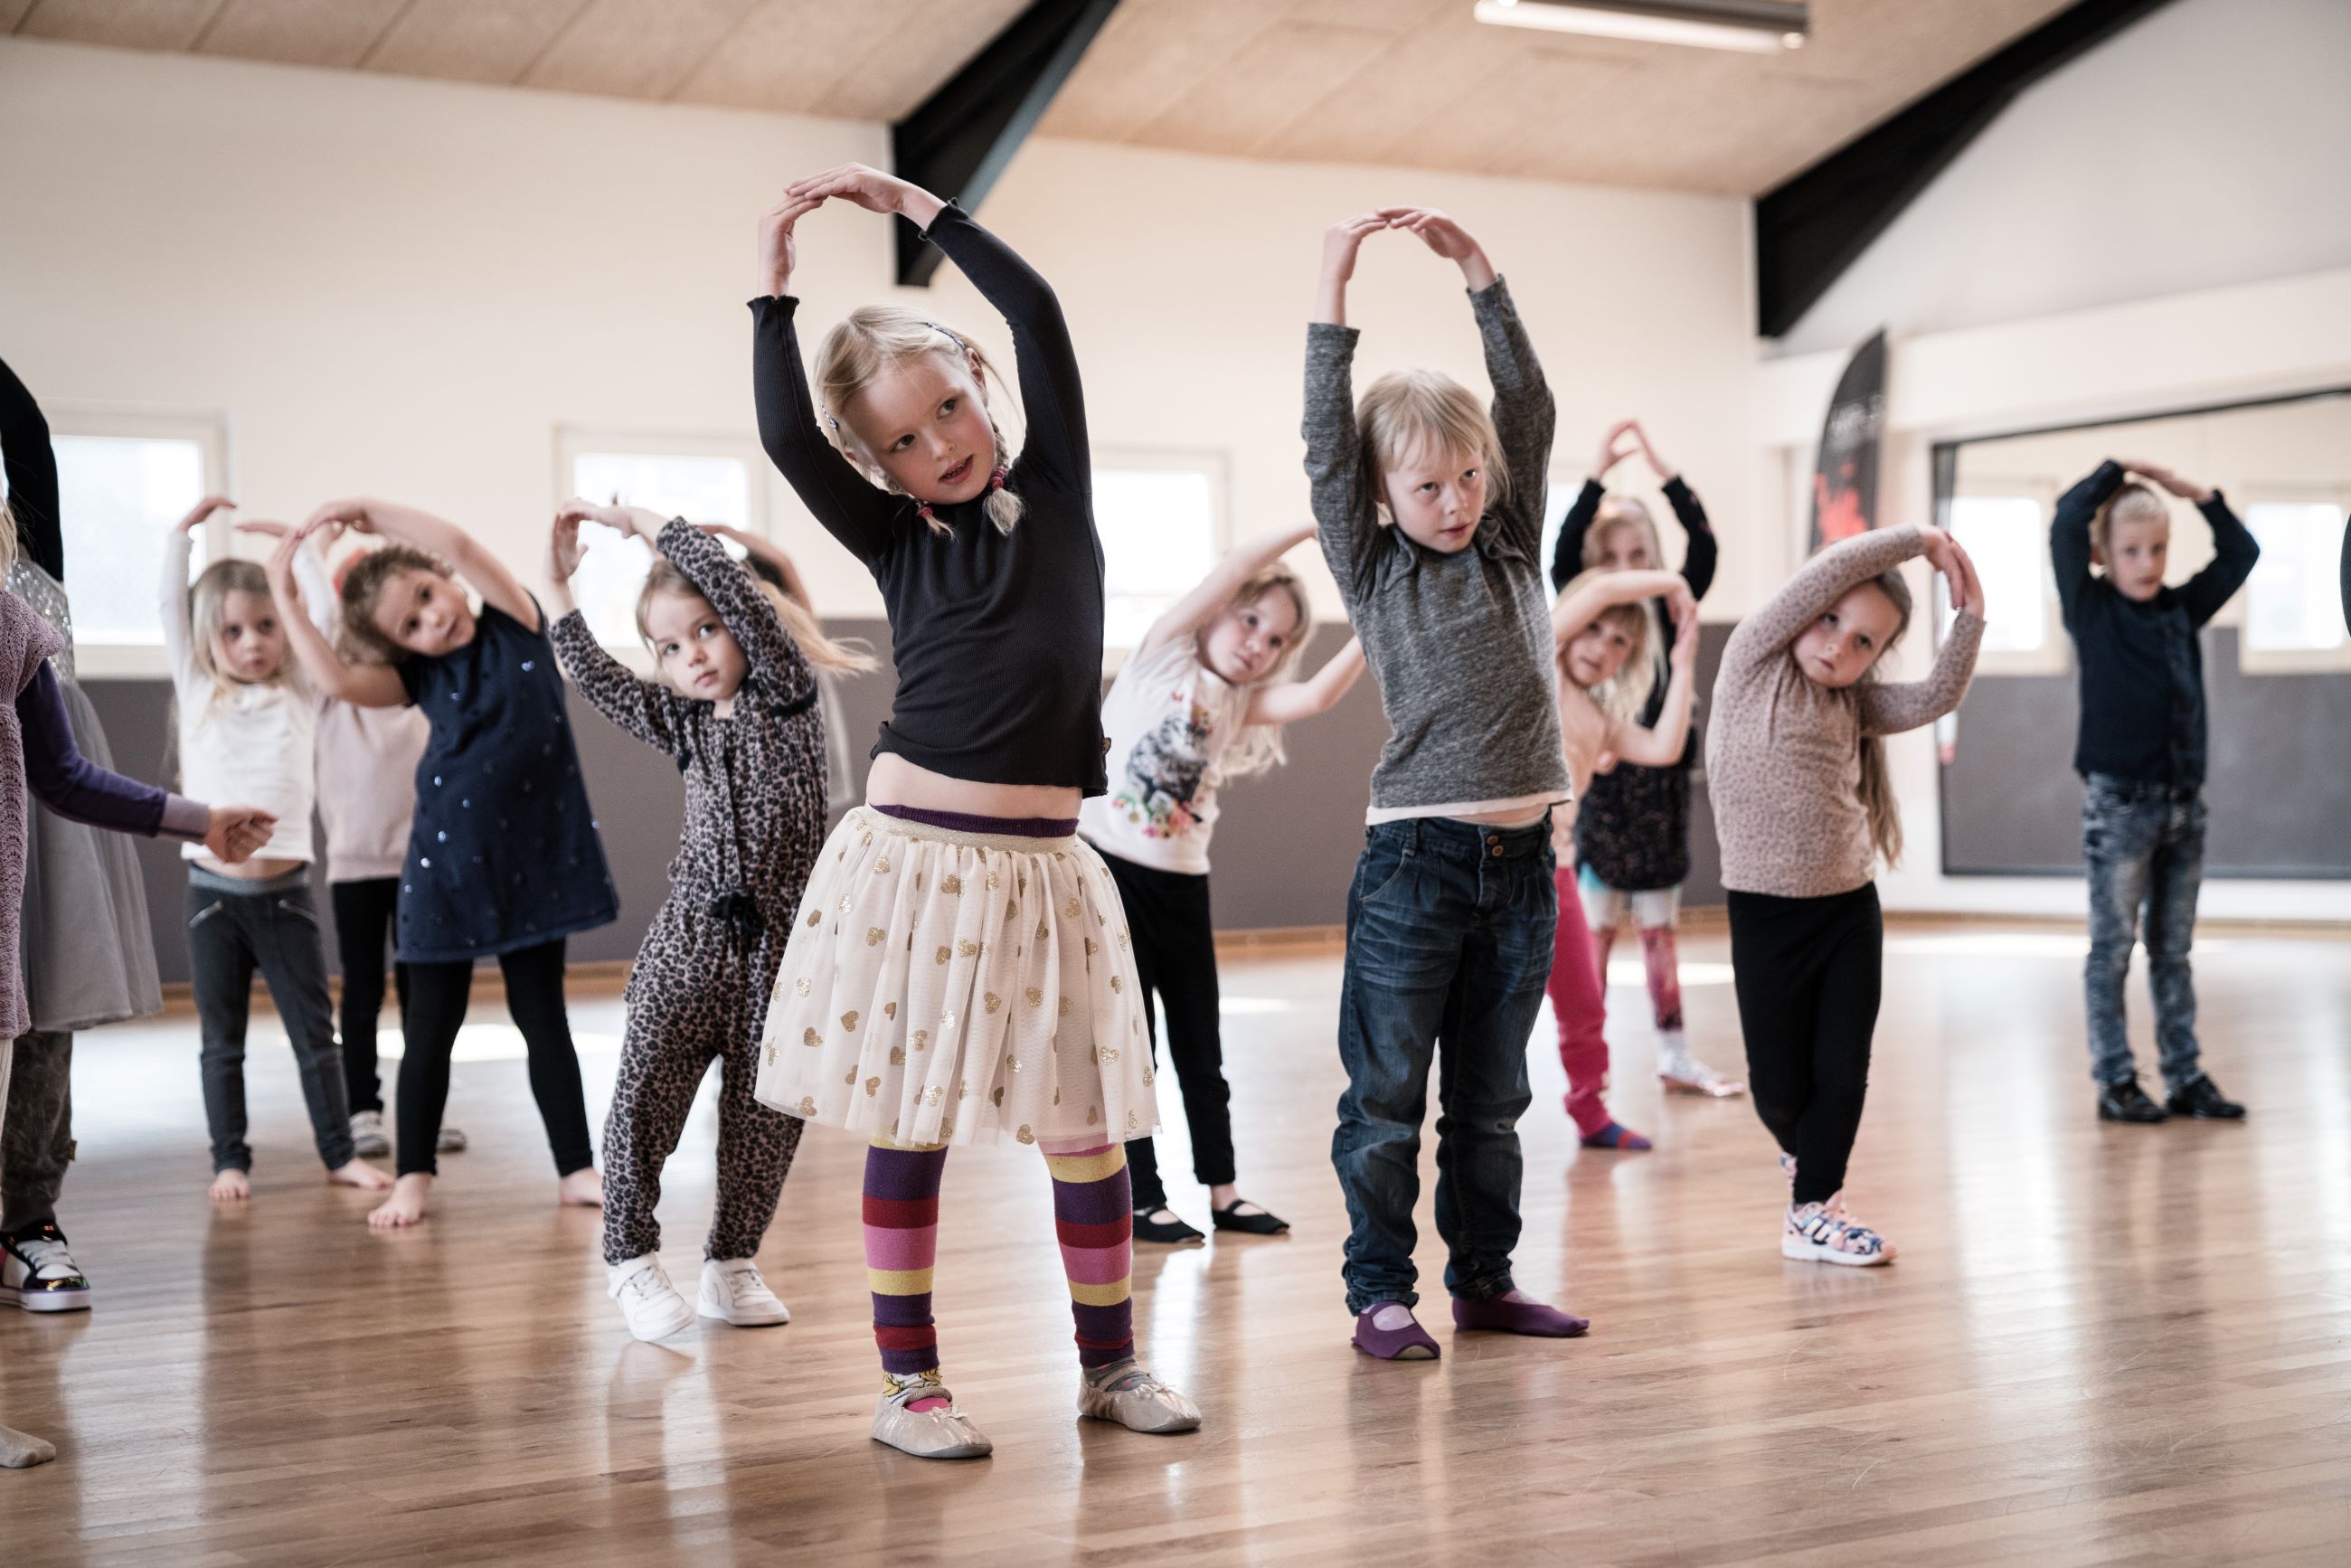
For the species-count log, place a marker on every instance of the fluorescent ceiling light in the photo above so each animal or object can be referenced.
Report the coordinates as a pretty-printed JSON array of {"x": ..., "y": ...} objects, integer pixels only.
[{"x": 1757, "y": 27}]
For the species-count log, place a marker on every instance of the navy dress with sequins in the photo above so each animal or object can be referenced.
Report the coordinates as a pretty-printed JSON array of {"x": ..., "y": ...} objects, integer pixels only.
[{"x": 503, "y": 853}]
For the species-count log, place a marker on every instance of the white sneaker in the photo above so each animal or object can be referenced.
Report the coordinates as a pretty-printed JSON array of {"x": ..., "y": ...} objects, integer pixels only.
[
  {"x": 452, "y": 1140},
  {"x": 1683, "y": 1073},
  {"x": 367, "y": 1139},
  {"x": 946, "y": 1433},
  {"x": 1136, "y": 1401},
  {"x": 732, "y": 1291},
  {"x": 650, "y": 1304},
  {"x": 39, "y": 1275},
  {"x": 1825, "y": 1233}
]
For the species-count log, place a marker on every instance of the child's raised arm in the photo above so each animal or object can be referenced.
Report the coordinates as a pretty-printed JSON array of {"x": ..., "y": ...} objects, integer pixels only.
[
  {"x": 499, "y": 586},
  {"x": 1567, "y": 552},
  {"x": 172, "y": 594},
  {"x": 1699, "y": 559},
  {"x": 1343, "y": 517},
  {"x": 645, "y": 709},
  {"x": 2069, "y": 533},
  {"x": 1892, "y": 707},
  {"x": 1576, "y": 611},
  {"x": 1318, "y": 693},
  {"x": 769, "y": 551},
  {"x": 362, "y": 686},
  {"x": 2234, "y": 548},
  {"x": 1212, "y": 593},
  {"x": 1661, "y": 744}
]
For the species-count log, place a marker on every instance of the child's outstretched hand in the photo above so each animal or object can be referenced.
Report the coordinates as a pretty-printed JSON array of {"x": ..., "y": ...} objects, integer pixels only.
[
  {"x": 620, "y": 518},
  {"x": 564, "y": 549},
  {"x": 337, "y": 516},
  {"x": 1682, "y": 605},
  {"x": 202, "y": 510},
  {"x": 280, "y": 566},
  {"x": 778, "y": 245},
  {"x": 1967, "y": 588},
  {"x": 233, "y": 832},
  {"x": 2187, "y": 490},
  {"x": 1663, "y": 469},
  {"x": 1341, "y": 244}
]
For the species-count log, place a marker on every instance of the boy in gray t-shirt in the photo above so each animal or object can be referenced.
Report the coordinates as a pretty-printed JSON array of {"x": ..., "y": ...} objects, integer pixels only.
[{"x": 1430, "y": 513}]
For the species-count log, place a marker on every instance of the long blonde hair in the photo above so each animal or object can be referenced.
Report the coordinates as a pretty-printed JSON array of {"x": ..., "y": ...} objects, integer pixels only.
[
  {"x": 1258, "y": 746},
  {"x": 7, "y": 537},
  {"x": 1876, "y": 787},
  {"x": 879, "y": 338},
  {"x": 1625, "y": 694},
  {"x": 1409, "y": 413},
  {"x": 1622, "y": 512},
  {"x": 842, "y": 657}
]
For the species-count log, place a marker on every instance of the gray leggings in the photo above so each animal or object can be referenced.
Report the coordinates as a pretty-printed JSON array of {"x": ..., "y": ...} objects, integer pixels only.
[{"x": 234, "y": 928}]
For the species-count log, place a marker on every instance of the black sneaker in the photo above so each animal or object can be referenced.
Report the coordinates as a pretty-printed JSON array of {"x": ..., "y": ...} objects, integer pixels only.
[
  {"x": 2201, "y": 1098},
  {"x": 2126, "y": 1102}
]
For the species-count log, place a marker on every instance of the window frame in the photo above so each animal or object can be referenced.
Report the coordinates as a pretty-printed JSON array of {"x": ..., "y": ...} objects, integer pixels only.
[
  {"x": 208, "y": 429},
  {"x": 1214, "y": 463},
  {"x": 574, "y": 441},
  {"x": 2055, "y": 654},
  {"x": 2254, "y": 661}
]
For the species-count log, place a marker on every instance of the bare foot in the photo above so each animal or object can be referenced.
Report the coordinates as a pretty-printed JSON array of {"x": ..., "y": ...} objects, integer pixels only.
[
  {"x": 230, "y": 1187},
  {"x": 361, "y": 1174},
  {"x": 406, "y": 1204},
  {"x": 583, "y": 1188}
]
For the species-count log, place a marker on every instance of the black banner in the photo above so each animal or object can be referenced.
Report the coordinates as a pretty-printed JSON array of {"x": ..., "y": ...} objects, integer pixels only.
[{"x": 1845, "y": 481}]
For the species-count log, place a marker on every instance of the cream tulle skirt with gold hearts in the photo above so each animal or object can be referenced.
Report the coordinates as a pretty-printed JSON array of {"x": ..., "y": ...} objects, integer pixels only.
[{"x": 953, "y": 988}]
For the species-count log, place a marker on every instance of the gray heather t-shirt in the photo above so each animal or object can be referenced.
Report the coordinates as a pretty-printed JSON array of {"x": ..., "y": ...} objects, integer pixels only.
[{"x": 1461, "y": 643}]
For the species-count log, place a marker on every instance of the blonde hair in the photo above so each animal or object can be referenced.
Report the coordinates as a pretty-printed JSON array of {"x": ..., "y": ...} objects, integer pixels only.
[
  {"x": 1622, "y": 512},
  {"x": 211, "y": 590},
  {"x": 2134, "y": 503},
  {"x": 825, "y": 653},
  {"x": 876, "y": 338},
  {"x": 1627, "y": 692},
  {"x": 1411, "y": 413},
  {"x": 7, "y": 537},
  {"x": 364, "y": 582},
  {"x": 1876, "y": 786},
  {"x": 1260, "y": 746}
]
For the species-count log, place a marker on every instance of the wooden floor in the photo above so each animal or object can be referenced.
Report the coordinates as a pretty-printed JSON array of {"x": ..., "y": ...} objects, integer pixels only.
[{"x": 2102, "y": 1345}]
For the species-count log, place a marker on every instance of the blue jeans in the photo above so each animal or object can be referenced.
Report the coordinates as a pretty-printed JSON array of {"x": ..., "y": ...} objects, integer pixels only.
[
  {"x": 1449, "y": 930},
  {"x": 2145, "y": 846}
]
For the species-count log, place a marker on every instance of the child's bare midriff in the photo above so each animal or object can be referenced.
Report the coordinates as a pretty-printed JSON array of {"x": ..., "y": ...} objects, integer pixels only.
[{"x": 894, "y": 782}]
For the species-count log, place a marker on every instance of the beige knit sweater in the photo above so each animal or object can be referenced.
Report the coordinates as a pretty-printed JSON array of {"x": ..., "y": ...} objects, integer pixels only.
[{"x": 1783, "y": 752}]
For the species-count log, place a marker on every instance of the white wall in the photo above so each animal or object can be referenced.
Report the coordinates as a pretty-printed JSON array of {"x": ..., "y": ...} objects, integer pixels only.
[
  {"x": 2206, "y": 145},
  {"x": 402, "y": 287}
]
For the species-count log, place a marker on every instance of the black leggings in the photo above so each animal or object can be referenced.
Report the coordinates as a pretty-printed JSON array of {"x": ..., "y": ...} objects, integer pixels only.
[
  {"x": 1807, "y": 972},
  {"x": 363, "y": 922},
  {"x": 435, "y": 1010},
  {"x": 1176, "y": 956}
]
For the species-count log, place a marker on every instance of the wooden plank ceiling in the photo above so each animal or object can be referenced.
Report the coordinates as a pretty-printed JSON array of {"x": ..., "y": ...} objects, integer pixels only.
[{"x": 1411, "y": 82}]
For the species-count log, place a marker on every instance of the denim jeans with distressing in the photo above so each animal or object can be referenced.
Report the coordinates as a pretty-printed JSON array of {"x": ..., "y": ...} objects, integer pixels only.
[
  {"x": 2145, "y": 846},
  {"x": 1449, "y": 932}
]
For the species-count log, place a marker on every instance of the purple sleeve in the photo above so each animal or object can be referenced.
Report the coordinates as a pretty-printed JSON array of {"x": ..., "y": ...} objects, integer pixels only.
[{"x": 77, "y": 789}]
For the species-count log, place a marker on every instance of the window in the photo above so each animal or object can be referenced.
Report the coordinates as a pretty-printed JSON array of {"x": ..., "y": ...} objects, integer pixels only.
[
  {"x": 2294, "y": 612},
  {"x": 1161, "y": 522},
  {"x": 2006, "y": 531},
  {"x": 122, "y": 482},
  {"x": 704, "y": 482}
]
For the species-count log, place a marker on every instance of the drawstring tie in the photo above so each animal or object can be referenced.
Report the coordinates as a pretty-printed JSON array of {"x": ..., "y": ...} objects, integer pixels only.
[{"x": 739, "y": 913}]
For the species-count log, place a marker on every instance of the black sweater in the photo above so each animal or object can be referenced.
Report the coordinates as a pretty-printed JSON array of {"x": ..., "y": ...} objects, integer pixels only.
[
  {"x": 998, "y": 637},
  {"x": 2141, "y": 668},
  {"x": 1633, "y": 828}
]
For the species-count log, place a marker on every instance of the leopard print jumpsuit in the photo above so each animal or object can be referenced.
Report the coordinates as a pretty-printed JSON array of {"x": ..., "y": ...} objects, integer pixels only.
[{"x": 754, "y": 818}]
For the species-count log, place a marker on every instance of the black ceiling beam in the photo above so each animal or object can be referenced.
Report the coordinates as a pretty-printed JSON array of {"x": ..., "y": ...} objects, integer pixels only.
[
  {"x": 958, "y": 141},
  {"x": 1813, "y": 225}
]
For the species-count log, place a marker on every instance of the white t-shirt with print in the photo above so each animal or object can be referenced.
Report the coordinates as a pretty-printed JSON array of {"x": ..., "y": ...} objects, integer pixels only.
[{"x": 1170, "y": 720}]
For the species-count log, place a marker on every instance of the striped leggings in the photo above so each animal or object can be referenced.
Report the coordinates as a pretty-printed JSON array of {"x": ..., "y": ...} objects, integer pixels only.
[{"x": 1094, "y": 1217}]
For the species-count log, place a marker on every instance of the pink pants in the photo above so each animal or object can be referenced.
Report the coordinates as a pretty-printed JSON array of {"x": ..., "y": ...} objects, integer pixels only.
[{"x": 1580, "y": 1002}]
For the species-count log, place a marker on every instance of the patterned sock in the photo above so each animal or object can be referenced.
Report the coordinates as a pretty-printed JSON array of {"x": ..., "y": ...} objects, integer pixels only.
[
  {"x": 902, "y": 1243},
  {"x": 1093, "y": 1215},
  {"x": 1661, "y": 956}
]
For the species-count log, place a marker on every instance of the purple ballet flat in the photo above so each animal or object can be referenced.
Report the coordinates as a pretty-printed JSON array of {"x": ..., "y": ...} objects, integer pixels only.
[
  {"x": 1406, "y": 1341},
  {"x": 1499, "y": 1314}
]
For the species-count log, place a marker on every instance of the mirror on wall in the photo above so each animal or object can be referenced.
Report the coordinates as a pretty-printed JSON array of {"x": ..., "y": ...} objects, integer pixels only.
[{"x": 2277, "y": 661}]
